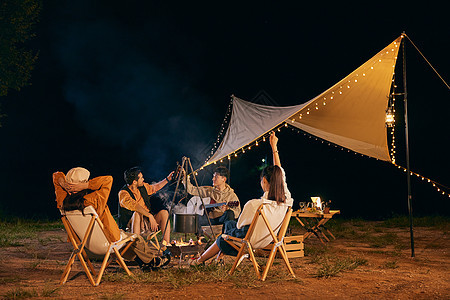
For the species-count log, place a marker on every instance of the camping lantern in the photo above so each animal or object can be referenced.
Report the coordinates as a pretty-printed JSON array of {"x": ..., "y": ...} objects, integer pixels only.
[{"x": 389, "y": 117}]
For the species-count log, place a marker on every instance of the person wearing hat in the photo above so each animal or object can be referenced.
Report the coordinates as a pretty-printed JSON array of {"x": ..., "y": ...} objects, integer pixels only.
[{"x": 74, "y": 191}]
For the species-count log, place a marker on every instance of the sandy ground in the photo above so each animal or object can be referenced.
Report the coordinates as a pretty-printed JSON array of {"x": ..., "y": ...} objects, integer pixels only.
[{"x": 389, "y": 273}]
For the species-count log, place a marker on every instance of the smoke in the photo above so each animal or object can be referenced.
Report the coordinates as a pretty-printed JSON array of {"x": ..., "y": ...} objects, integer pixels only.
[{"x": 124, "y": 94}]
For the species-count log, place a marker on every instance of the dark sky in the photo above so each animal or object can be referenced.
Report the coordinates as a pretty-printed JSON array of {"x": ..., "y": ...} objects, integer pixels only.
[{"x": 120, "y": 84}]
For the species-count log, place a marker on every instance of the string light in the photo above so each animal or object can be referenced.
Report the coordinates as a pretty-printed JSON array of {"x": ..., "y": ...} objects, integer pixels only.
[
  {"x": 222, "y": 129},
  {"x": 350, "y": 81},
  {"x": 439, "y": 187}
]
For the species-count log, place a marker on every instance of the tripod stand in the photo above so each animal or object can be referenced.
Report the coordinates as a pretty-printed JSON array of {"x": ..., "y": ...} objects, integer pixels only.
[{"x": 186, "y": 166}]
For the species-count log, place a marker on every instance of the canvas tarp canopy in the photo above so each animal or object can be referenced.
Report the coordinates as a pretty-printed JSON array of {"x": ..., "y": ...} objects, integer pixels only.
[{"x": 350, "y": 114}]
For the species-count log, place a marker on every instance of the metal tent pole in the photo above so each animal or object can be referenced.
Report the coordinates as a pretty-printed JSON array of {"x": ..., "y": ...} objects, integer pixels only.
[{"x": 408, "y": 175}]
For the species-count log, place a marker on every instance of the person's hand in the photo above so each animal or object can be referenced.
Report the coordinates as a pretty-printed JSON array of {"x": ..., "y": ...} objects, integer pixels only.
[
  {"x": 77, "y": 187},
  {"x": 169, "y": 177},
  {"x": 73, "y": 187},
  {"x": 273, "y": 140},
  {"x": 62, "y": 183},
  {"x": 223, "y": 208},
  {"x": 153, "y": 223}
]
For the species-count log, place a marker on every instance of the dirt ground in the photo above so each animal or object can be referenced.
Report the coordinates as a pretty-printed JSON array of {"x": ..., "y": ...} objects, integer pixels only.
[{"x": 388, "y": 273}]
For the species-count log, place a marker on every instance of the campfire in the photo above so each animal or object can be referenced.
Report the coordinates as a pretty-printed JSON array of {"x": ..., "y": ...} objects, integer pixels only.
[{"x": 186, "y": 249}]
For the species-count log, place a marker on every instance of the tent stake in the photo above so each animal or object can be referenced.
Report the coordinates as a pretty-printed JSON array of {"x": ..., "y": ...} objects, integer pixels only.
[{"x": 408, "y": 176}]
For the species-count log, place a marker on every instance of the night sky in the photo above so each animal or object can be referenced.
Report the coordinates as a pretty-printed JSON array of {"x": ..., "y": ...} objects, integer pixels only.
[{"x": 119, "y": 84}]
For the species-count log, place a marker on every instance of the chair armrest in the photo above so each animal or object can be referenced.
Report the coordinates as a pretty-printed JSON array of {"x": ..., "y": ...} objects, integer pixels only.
[
  {"x": 229, "y": 237},
  {"x": 233, "y": 241}
]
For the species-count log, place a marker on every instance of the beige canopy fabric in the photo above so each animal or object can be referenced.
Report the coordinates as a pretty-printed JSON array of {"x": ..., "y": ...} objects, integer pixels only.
[
  {"x": 351, "y": 113},
  {"x": 250, "y": 121}
]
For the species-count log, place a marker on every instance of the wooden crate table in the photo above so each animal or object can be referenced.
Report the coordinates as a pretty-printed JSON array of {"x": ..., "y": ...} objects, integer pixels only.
[
  {"x": 314, "y": 223},
  {"x": 294, "y": 246}
]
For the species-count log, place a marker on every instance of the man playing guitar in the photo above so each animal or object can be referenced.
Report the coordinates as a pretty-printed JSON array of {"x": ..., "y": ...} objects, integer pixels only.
[{"x": 224, "y": 203}]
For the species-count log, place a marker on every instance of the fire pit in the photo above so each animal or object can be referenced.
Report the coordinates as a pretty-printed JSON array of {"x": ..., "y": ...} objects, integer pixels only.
[{"x": 186, "y": 250}]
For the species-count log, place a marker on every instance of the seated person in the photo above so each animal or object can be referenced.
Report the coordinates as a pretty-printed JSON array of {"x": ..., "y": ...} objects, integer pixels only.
[
  {"x": 75, "y": 191},
  {"x": 276, "y": 194},
  {"x": 133, "y": 197},
  {"x": 220, "y": 192}
]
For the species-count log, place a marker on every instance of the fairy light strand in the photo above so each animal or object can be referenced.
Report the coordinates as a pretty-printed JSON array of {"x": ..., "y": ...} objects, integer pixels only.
[
  {"x": 343, "y": 86},
  {"x": 438, "y": 186},
  {"x": 321, "y": 102}
]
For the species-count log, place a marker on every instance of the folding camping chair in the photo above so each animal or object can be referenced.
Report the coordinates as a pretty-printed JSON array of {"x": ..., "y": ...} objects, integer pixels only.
[
  {"x": 245, "y": 248},
  {"x": 87, "y": 232}
]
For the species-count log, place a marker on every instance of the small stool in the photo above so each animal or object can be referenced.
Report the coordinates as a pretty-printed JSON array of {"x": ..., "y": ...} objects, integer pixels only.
[{"x": 294, "y": 246}]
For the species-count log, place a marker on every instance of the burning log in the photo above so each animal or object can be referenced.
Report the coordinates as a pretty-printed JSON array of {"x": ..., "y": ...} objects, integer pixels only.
[{"x": 184, "y": 250}]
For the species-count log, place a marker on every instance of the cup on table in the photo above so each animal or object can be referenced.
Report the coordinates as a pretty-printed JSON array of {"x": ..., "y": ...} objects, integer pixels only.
[{"x": 302, "y": 206}]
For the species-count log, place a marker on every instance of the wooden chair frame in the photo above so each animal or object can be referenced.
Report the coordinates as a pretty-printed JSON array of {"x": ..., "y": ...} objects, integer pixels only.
[
  {"x": 79, "y": 245},
  {"x": 245, "y": 249}
]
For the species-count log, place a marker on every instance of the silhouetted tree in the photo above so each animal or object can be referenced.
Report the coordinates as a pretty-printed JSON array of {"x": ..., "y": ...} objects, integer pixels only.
[{"x": 17, "y": 20}]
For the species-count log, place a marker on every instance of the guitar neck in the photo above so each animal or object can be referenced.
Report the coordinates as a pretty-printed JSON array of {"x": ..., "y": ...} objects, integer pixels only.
[
  {"x": 215, "y": 205},
  {"x": 229, "y": 204}
]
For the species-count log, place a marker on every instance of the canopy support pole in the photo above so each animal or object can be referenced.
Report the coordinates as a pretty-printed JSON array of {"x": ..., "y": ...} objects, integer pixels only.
[{"x": 408, "y": 175}]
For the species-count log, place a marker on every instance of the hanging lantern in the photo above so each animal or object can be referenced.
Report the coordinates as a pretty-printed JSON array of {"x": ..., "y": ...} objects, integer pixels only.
[{"x": 390, "y": 120}]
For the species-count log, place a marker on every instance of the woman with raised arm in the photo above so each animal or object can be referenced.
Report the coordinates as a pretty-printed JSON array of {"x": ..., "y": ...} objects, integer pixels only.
[{"x": 276, "y": 195}]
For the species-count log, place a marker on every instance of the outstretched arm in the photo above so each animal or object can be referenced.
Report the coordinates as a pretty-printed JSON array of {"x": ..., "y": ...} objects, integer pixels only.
[
  {"x": 162, "y": 183},
  {"x": 273, "y": 143}
]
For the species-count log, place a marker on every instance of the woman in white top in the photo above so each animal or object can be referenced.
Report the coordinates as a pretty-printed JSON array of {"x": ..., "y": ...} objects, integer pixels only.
[{"x": 277, "y": 197}]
